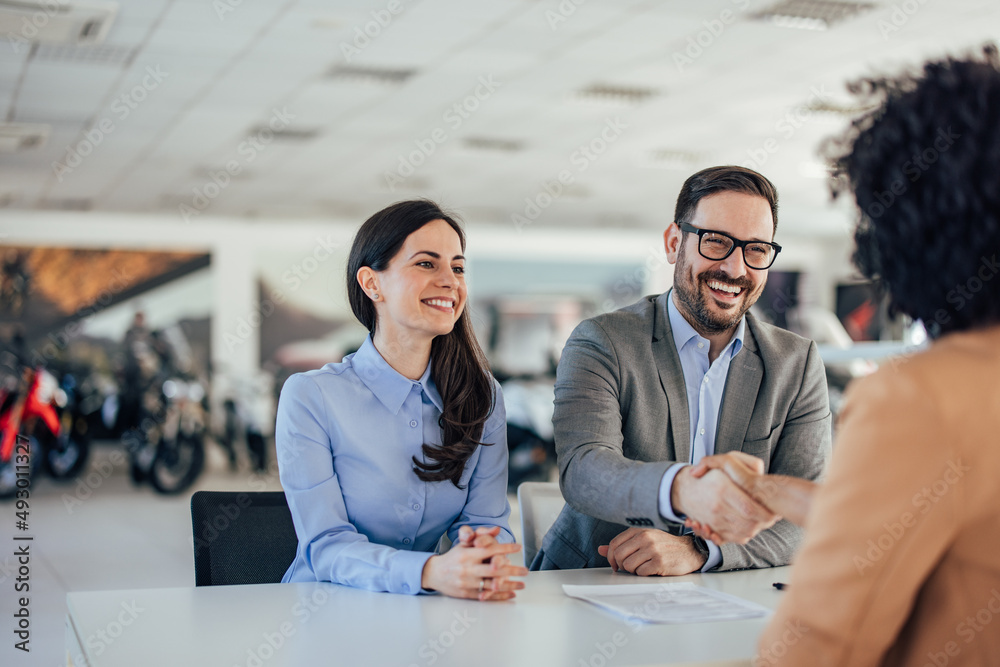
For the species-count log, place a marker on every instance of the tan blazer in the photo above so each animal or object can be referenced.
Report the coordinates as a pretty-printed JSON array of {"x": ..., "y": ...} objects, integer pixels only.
[{"x": 901, "y": 561}]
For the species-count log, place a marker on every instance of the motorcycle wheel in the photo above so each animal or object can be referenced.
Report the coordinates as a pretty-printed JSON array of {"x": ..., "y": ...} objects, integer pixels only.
[
  {"x": 65, "y": 460},
  {"x": 177, "y": 464},
  {"x": 8, "y": 470}
]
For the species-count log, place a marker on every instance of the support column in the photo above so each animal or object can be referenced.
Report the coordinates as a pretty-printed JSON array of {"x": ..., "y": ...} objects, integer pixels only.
[{"x": 236, "y": 319}]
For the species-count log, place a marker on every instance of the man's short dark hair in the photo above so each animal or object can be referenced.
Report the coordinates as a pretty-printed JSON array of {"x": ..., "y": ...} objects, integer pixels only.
[
  {"x": 724, "y": 179},
  {"x": 923, "y": 167}
]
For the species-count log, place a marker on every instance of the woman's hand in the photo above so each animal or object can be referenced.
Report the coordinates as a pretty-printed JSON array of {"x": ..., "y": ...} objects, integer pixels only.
[
  {"x": 789, "y": 497},
  {"x": 475, "y": 567}
]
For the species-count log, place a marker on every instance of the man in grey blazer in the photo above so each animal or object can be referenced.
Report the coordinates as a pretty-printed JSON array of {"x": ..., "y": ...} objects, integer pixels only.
[{"x": 645, "y": 391}]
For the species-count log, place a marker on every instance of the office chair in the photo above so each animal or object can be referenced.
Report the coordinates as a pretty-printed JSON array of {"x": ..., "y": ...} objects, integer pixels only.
[
  {"x": 241, "y": 537},
  {"x": 540, "y": 504}
]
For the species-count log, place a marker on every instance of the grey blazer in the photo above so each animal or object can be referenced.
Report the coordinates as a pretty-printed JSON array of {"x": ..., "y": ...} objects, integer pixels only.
[{"x": 621, "y": 419}]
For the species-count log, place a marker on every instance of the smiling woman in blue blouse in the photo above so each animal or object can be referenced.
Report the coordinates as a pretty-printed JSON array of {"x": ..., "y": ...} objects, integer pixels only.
[{"x": 405, "y": 440}]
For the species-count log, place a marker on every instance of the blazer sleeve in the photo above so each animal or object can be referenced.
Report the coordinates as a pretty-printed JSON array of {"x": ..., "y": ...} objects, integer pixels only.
[
  {"x": 872, "y": 537},
  {"x": 802, "y": 450},
  {"x": 595, "y": 476},
  {"x": 332, "y": 546}
]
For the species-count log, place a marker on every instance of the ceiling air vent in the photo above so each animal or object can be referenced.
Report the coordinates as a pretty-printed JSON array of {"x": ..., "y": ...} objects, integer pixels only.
[
  {"x": 493, "y": 144},
  {"x": 611, "y": 95},
  {"x": 49, "y": 21},
  {"x": 811, "y": 14},
  {"x": 371, "y": 75},
  {"x": 286, "y": 134},
  {"x": 85, "y": 54},
  {"x": 16, "y": 137}
]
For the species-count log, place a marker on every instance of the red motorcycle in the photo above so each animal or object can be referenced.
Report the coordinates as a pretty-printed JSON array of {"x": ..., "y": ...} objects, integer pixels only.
[{"x": 37, "y": 411}]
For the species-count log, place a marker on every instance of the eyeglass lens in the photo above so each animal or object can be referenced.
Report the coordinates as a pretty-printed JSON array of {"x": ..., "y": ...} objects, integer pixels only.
[{"x": 756, "y": 255}]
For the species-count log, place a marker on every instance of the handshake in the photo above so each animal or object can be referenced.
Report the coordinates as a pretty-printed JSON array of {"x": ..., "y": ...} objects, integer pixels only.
[{"x": 728, "y": 498}]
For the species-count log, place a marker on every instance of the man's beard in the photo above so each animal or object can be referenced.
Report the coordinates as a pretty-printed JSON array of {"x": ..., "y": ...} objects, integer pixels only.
[{"x": 695, "y": 302}]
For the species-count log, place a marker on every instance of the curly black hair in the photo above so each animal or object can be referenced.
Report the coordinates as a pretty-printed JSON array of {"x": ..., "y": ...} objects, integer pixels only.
[{"x": 924, "y": 169}]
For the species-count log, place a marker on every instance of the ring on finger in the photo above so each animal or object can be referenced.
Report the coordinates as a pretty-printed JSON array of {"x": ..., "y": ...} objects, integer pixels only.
[{"x": 482, "y": 585}]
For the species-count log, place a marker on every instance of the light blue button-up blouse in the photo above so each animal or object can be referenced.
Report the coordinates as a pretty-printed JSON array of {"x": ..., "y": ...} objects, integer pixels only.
[{"x": 346, "y": 434}]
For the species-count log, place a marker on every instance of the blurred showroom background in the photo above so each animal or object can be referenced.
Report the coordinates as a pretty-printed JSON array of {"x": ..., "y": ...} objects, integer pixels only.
[{"x": 180, "y": 181}]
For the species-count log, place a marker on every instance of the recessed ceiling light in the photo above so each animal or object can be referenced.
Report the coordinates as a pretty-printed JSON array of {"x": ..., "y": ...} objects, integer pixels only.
[
  {"x": 614, "y": 95},
  {"x": 493, "y": 144},
  {"x": 811, "y": 14},
  {"x": 16, "y": 137},
  {"x": 285, "y": 134},
  {"x": 371, "y": 75},
  {"x": 815, "y": 170},
  {"x": 671, "y": 159}
]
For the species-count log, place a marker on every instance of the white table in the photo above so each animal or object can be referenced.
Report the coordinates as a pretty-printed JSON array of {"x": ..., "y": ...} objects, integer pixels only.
[{"x": 278, "y": 625}]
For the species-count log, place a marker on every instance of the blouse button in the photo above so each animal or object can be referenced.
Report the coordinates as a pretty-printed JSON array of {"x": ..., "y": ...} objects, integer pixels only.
[
  {"x": 416, "y": 506},
  {"x": 406, "y": 540},
  {"x": 413, "y": 423}
]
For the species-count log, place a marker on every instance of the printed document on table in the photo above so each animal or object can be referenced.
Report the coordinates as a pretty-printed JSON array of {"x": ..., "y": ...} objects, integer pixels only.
[{"x": 681, "y": 602}]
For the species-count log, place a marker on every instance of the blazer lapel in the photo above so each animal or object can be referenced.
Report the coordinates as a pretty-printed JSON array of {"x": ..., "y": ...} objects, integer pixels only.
[
  {"x": 668, "y": 365},
  {"x": 742, "y": 384}
]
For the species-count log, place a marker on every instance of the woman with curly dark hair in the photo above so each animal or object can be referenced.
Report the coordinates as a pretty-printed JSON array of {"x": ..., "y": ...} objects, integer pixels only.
[
  {"x": 901, "y": 563},
  {"x": 403, "y": 441}
]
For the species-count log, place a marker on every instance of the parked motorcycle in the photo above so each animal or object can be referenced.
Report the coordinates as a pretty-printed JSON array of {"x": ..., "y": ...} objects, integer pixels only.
[
  {"x": 167, "y": 449},
  {"x": 38, "y": 422}
]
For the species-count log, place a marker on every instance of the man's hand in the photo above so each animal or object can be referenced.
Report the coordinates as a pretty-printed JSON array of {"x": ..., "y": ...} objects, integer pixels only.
[
  {"x": 715, "y": 500},
  {"x": 651, "y": 552},
  {"x": 789, "y": 497}
]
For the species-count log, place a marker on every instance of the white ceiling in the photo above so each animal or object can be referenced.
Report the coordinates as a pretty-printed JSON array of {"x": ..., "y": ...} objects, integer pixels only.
[{"x": 228, "y": 72}]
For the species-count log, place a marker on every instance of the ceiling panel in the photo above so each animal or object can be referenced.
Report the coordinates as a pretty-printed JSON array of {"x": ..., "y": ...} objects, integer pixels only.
[{"x": 226, "y": 73}]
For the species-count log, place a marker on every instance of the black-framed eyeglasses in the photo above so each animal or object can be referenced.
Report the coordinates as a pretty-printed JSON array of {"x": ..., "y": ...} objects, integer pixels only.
[{"x": 717, "y": 246}]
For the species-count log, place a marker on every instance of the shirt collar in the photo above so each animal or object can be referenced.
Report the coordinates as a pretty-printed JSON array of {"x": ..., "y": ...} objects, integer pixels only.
[
  {"x": 389, "y": 386},
  {"x": 683, "y": 332}
]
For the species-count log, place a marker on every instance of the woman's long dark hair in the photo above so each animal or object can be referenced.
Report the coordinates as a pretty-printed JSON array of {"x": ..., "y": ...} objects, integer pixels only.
[{"x": 458, "y": 365}]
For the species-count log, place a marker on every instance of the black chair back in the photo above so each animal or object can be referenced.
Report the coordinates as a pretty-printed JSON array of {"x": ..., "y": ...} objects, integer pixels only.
[{"x": 241, "y": 537}]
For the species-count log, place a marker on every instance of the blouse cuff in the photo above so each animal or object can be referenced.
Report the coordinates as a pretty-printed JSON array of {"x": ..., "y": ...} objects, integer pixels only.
[{"x": 407, "y": 571}]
